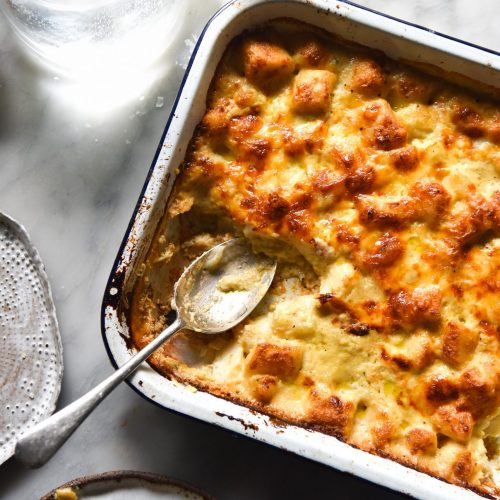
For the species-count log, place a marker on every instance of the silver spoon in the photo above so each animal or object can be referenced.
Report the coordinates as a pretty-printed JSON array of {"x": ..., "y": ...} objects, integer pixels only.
[{"x": 217, "y": 291}]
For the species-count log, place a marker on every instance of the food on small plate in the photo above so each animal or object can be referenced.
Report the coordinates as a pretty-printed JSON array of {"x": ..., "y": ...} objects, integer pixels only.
[{"x": 65, "y": 494}]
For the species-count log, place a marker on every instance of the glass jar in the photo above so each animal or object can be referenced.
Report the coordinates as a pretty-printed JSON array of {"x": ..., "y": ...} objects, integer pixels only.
[{"x": 85, "y": 37}]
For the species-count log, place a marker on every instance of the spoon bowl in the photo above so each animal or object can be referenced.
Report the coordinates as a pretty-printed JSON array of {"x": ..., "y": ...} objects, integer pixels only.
[{"x": 222, "y": 286}]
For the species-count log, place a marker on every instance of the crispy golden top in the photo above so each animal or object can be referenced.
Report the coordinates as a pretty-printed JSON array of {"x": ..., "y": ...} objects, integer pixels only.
[{"x": 378, "y": 188}]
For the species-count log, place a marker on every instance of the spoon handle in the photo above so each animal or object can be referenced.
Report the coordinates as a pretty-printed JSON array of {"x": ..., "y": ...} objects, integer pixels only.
[{"x": 40, "y": 442}]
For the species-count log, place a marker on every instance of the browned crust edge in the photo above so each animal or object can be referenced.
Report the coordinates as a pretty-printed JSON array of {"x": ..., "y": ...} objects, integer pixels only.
[{"x": 285, "y": 421}]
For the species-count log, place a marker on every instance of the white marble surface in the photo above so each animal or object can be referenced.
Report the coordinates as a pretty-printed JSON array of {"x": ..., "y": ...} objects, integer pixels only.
[{"x": 72, "y": 174}]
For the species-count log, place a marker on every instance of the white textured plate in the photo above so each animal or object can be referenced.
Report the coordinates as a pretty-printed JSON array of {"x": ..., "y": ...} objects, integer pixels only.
[
  {"x": 30, "y": 346},
  {"x": 129, "y": 485}
]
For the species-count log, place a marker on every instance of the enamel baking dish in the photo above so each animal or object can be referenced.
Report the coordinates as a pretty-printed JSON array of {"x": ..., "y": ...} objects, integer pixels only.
[{"x": 398, "y": 40}]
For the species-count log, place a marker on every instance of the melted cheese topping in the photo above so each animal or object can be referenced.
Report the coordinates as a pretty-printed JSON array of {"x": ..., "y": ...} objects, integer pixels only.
[{"x": 378, "y": 189}]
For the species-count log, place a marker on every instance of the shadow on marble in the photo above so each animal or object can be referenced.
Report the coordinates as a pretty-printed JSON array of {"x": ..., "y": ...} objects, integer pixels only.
[
  {"x": 227, "y": 464},
  {"x": 5, "y": 107}
]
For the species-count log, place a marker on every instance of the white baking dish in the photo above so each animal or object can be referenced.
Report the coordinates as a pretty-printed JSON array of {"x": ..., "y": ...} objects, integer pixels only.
[{"x": 398, "y": 40}]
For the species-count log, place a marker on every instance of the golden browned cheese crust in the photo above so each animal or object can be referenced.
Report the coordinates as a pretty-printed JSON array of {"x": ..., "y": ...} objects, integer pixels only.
[{"x": 378, "y": 190}]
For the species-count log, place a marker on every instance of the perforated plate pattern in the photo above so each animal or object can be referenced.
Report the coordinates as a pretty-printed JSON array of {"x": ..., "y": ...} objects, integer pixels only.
[{"x": 30, "y": 346}]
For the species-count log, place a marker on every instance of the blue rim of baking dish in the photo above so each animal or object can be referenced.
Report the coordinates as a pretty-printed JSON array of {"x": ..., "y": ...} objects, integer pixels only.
[{"x": 115, "y": 278}]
